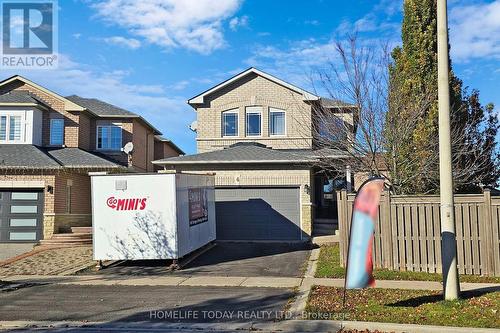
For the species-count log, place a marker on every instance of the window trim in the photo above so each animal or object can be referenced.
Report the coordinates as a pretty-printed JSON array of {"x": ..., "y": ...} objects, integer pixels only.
[
  {"x": 97, "y": 137},
  {"x": 223, "y": 129},
  {"x": 276, "y": 110},
  {"x": 260, "y": 112},
  {"x": 22, "y": 130},
  {"x": 50, "y": 134}
]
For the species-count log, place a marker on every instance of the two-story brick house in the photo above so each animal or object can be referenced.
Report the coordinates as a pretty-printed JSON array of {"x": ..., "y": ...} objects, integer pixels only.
[
  {"x": 48, "y": 146},
  {"x": 255, "y": 132}
]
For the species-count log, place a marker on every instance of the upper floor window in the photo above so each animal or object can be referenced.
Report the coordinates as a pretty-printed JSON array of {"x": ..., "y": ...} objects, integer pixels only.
[
  {"x": 109, "y": 137},
  {"x": 57, "y": 132},
  {"x": 277, "y": 122},
  {"x": 230, "y": 123},
  {"x": 10, "y": 128},
  {"x": 254, "y": 121}
]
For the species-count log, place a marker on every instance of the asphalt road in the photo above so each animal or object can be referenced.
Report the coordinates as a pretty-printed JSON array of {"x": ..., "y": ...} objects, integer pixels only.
[{"x": 147, "y": 304}]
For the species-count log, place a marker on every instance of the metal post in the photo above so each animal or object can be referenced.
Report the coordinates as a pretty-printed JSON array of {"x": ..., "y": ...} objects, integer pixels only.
[{"x": 451, "y": 286}]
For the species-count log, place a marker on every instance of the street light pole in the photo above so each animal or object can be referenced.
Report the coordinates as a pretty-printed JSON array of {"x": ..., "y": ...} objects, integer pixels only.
[{"x": 451, "y": 287}]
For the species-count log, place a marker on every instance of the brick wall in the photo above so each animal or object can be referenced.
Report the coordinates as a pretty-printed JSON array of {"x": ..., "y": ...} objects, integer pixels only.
[
  {"x": 254, "y": 90},
  {"x": 85, "y": 132},
  {"x": 143, "y": 139}
]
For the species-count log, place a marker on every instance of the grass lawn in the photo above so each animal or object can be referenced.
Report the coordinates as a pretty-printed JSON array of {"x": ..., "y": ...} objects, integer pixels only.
[
  {"x": 329, "y": 266},
  {"x": 475, "y": 309}
]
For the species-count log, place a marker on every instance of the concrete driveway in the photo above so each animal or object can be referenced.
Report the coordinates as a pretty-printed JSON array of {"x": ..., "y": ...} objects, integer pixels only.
[
  {"x": 11, "y": 250},
  {"x": 230, "y": 259}
]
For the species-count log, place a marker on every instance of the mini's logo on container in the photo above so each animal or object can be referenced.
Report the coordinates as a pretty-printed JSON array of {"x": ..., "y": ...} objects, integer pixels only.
[{"x": 126, "y": 204}]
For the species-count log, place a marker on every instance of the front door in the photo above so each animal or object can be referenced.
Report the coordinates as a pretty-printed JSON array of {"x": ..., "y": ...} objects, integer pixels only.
[{"x": 326, "y": 195}]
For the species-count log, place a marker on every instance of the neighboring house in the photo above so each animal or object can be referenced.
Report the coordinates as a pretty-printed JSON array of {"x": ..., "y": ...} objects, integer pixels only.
[
  {"x": 255, "y": 132},
  {"x": 49, "y": 144}
]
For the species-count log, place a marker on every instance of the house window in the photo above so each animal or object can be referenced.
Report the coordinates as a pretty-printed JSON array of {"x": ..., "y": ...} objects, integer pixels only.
[
  {"x": 254, "y": 121},
  {"x": 109, "y": 137},
  {"x": 230, "y": 123},
  {"x": 57, "y": 132},
  {"x": 277, "y": 122},
  {"x": 15, "y": 128},
  {"x": 3, "y": 127},
  {"x": 10, "y": 128}
]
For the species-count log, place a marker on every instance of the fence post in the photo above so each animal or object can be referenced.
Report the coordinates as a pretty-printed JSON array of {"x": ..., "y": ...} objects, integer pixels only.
[
  {"x": 343, "y": 225},
  {"x": 489, "y": 268},
  {"x": 386, "y": 230}
]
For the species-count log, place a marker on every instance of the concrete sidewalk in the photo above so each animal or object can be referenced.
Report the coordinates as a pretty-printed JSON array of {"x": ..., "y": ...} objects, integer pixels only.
[{"x": 230, "y": 281}]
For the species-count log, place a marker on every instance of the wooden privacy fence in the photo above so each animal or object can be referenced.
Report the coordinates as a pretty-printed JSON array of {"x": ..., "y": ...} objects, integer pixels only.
[{"x": 408, "y": 232}]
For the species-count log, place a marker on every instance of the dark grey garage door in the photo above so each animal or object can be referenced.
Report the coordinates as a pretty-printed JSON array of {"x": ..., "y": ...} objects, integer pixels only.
[
  {"x": 21, "y": 215},
  {"x": 258, "y": 213}
]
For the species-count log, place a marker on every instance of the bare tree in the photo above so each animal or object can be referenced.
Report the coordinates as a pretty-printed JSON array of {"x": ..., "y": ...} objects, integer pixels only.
[{"x": 354, "y": 122}]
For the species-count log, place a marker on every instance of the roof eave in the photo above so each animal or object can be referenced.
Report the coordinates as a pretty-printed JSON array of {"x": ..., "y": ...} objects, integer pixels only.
[
  {"x": 200, "y": 99},
  {"x": 161, "y": 162},
  {"x": 68, "y": 105}
]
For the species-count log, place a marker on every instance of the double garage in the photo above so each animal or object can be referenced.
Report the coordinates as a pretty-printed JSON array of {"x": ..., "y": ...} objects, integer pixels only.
[
  {"x": 21, "y": 215},
  {"x": 258, "y": 213}
]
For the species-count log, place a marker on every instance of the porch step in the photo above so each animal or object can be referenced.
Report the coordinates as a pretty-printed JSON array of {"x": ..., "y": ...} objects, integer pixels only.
[
  {"x": 71, "y": 236},
  {"x": 78, "y": 236},
  {"x": 324, "y": 229},
  {"x": 78, "y": 230},
  {"x": 66, "y": 242},
  {"x": 326, "y": 240}
]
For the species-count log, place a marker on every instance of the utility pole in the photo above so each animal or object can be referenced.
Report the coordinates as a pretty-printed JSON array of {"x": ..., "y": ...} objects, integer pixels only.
[{"x": 451, "y": 287}]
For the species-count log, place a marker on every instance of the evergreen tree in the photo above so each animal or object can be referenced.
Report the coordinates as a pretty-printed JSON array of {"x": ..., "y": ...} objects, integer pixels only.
[{"x": 414, "y": 72}]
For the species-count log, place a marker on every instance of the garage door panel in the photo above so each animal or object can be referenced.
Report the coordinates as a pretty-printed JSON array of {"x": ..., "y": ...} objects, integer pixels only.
[
  {"x": 258, "y": 214},
  {"x": 21, "y": 215}
]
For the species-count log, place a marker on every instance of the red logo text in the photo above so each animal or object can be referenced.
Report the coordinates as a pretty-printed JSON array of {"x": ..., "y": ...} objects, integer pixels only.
[{"x": 126, "y": 204}]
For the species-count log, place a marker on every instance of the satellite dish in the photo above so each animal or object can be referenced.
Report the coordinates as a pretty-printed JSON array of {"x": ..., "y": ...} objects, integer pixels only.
[
  {"x": 128, "y": 148},
  {"x": 194, "y": 126}
]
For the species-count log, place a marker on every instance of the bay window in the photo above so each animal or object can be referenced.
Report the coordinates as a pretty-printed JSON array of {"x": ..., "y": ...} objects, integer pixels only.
[
  {"x": 11, "y": 129},
  {"x": 109, "y": 137}
]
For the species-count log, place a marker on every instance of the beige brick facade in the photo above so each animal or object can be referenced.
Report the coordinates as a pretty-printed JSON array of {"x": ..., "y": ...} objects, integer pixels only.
[
  {"x": 254, "y": 90},
  {"x": 254, "y": 175}
]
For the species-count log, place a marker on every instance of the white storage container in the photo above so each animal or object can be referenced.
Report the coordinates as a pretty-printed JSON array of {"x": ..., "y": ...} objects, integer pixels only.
[{"x": 151, "y": 216}]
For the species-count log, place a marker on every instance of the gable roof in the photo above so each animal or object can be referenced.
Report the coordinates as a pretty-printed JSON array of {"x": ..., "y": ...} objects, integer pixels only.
[
  {"x": 249, "y": 153},
  {"x": 200, "y": 99},
  {"x": 170, "y": 143},
  {"x": 100, "y": 108},
  {"x": 68, "y": 105},
  {"x": 106, "y": 110}
]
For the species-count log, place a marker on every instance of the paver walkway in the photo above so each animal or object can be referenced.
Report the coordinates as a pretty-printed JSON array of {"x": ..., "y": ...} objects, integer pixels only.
[{"x": 51, "y": 262}]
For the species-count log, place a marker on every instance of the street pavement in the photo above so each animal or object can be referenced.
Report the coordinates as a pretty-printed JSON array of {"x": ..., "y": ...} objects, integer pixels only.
[{"x": 143, "y": 304}]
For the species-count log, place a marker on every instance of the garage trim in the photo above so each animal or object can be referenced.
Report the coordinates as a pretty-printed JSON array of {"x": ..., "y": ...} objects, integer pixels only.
[{"x": 298, "y": 218}]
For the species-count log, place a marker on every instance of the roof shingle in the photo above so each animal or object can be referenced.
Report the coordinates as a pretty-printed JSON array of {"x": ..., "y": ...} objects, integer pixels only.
[
  {"x": 248, "y": 153},
  {"x": 32, "y": 157},
  {"x": 15, "y": 96}
]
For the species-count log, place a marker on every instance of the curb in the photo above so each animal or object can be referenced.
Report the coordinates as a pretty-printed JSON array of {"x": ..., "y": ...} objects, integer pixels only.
[{"x": 282, "y": 326}]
